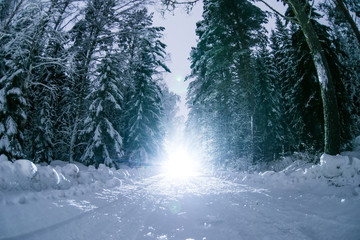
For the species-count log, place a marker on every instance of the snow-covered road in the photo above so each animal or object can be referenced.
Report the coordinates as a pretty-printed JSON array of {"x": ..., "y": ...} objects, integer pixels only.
[{"x": 202, "y": 207}]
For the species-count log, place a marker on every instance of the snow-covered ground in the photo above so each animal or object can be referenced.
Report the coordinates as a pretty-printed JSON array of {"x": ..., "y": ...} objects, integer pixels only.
[{"x": 68, "y": 201}]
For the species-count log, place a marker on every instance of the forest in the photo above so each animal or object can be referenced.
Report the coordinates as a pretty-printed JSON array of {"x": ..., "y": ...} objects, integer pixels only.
[
  {"x": 82, "y": 80},
  {"x": 258, "y": 96}
]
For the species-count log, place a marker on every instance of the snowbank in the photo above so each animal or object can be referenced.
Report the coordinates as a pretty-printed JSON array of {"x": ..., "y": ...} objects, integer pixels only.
[
  {"x": 337, "y": 170},
  {"x": 23, "y": 175},
  {"x": 340, "y": 171},
  {"x": 75, "y": 178}
]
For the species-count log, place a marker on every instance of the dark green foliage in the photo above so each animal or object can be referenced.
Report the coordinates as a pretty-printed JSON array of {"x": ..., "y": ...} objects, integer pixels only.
[
  {"x": 312, "y": 114},
  {"x": 144, "y": 108},
  {"x": 102, "y": 123},
  {"x": 347, "y": 62},
  {"x": 268, "y": 132},
  {"x": 89, "y": 88},
  {"x": 221, "y": 96},
  {"x": 286, "y": 87},
  {"x": 15, "y": 72},
  {"x": 68, "y": 94},
  {"x": 251, "y": 103}
]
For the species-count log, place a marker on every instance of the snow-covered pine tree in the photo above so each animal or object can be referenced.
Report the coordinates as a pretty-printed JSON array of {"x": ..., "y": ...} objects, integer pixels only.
[
  {"x": 33, "y": 30},
  {"x": 307, "y": 97},
  {"x": 170, "y": 120},
  {"x": 208, "y": 97},
  {"x": 199, "y": 121},
  {"x": 143, "y": 137},
  {"x": 48, "y": 77},
  {"x": 18, "y": 50},
  {"x": 268, "y": 132},
  {"x": 12, "y": 108},
  {"x": 102, "y": 124},
  {"x": 85, "y": 36},
  {"x": 284, "y": 69},
  {"x": 222, "y": 69},
  {"x": 90, "y": 37}
]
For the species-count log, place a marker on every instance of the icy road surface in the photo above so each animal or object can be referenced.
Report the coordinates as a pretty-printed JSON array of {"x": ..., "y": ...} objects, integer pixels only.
[{"x": 203, "y": 207}]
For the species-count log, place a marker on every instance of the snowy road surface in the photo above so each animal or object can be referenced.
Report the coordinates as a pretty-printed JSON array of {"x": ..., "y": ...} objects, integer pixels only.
[{"x": 203, "y": 207}]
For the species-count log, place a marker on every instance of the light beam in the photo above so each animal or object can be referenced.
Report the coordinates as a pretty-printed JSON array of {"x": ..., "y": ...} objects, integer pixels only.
[{"x": 181, "y": 164}]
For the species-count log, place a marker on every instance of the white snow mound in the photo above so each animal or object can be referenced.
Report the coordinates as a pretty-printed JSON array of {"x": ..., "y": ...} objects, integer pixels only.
[
  {"x": 24, "y": 175},
  {"x": 25, "y": 172},
  {"x": 340, "y": 170}
]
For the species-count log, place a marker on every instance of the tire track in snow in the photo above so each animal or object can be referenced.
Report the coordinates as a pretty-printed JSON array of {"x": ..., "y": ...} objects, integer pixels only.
[{"x": 138, "y": 188}]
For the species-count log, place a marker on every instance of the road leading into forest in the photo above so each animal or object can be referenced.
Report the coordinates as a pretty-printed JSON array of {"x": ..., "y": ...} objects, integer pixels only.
[{"x": 201, "y": 207}]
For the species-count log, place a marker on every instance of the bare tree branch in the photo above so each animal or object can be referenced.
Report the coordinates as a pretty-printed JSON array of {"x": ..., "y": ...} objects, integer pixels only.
[
  {"x": 13, "y": 13},
  {"x": 171, "y": 4},
  {"x": 293, "y": 20}
]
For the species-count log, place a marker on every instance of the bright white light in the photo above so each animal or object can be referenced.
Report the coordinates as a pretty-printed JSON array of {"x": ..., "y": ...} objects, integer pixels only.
[{"x": 180, "y": 164}]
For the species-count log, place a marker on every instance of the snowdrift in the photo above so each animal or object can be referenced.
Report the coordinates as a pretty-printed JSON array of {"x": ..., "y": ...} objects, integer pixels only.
[
  {"x": 336, "y": 170},
  {"x": 339, "y": 171},
  {"x": 23, "y": 175}
]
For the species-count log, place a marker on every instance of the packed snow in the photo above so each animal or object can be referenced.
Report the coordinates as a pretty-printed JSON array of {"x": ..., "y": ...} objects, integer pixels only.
[{"x": 72, "y": 201}]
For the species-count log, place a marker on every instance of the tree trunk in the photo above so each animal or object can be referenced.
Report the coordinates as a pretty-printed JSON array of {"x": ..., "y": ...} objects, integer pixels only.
[
  {"x": 73, "y": 137},
  {"x": 328, "y": 94}
]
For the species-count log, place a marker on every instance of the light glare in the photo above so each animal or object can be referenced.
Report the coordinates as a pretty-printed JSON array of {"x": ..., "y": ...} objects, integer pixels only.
[{"x": 180, "y": 164}]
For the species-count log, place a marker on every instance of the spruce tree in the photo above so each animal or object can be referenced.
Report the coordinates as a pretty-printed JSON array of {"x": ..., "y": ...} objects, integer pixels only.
[
  {"x": 223, "y": 77},
  {"x": 143, "y": 107},
  {"x": 18, "y": 50},
  {"x": 282, "y": 60},
  {"x": 268, "y": 132},
  {"x": 102, "y": 126}
]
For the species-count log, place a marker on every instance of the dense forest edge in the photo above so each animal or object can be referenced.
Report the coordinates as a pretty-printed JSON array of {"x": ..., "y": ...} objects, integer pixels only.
[
  {"x": 82, "y": 80},
  {"x": 260, "y": 96}
]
